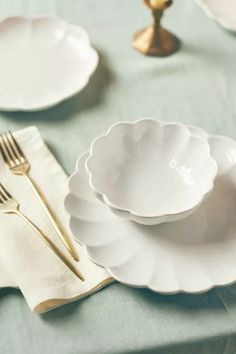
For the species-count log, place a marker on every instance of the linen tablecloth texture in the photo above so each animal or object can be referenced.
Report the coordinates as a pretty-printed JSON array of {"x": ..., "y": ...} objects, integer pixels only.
[
  {"x": 26, "y": 261},
  {"x": 196, "y": 86}
]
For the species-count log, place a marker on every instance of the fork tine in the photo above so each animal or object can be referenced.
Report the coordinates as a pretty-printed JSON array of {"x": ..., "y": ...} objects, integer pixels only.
[
  {"x": 4, "y": 192},
  {"x": 5, "y": 154},
  {"x": 2, "y": 200},
  {"x": 8, "y": 151},
  {"x": 16, "y": 147},
  {"x": 3, "y": 196},
  {"x": 9, "y": 148}
]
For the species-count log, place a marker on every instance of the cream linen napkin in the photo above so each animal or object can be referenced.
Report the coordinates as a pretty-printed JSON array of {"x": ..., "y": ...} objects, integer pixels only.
[{"x": 25, "y": 261}]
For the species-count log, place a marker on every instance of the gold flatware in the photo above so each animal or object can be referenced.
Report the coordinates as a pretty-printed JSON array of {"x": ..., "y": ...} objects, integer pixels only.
[
  {"x": 19, "y": 165},
  {"x": 9, "y": 205}
]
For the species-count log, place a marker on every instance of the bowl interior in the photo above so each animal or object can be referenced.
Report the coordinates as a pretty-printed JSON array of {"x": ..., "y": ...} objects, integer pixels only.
[{"x": 151, "y": 169}]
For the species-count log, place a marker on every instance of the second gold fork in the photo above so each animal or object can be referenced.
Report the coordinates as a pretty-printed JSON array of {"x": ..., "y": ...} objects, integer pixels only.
[
  {"x": 18, "y": 163},
  {"x": 9, "y": 205}
]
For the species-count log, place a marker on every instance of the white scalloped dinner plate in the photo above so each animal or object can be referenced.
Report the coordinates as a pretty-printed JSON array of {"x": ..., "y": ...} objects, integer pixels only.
[
  {"x": 222, "y": 11},
  {"x": 42, "y": 62},
  {"x": 192, "y": 255}
]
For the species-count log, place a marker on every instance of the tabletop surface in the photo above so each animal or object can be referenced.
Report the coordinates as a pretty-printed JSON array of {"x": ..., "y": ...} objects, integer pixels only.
[{"x": 195, "y": 86}]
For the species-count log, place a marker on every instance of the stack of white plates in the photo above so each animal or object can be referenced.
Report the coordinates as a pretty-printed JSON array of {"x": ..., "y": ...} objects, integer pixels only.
[{"x": 191, "y": 255}]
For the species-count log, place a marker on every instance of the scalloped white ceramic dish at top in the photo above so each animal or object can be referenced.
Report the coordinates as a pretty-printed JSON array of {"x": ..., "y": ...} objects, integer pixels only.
[
  {"x": 222, "y": 11},
  {"x": 42, "y": 62},
  {"x": 151, "y": 172},
  {"x": 191, "y": 255}
]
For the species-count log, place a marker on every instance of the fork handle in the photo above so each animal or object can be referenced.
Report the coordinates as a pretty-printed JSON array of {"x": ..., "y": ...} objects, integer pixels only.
[
  {"x": 51, "y": 245},
  {"x": 53, "y": 218}
]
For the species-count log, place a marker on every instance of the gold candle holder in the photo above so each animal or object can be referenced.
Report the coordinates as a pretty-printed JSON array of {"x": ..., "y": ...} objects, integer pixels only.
[{"x": 156, "y": 40}]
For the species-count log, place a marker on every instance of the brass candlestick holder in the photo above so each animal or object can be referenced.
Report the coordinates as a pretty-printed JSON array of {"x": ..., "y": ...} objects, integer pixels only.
[{"x": 156, "y": 40}]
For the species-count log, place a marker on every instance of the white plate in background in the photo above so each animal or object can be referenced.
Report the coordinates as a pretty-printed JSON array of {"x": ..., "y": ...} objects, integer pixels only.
[
  {"x": 42, "y": 62},
  {"x": 222, "y": 11}
]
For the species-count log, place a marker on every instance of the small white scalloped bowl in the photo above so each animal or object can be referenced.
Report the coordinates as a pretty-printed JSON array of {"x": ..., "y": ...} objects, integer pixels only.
[{"x": 151, "y": 172}]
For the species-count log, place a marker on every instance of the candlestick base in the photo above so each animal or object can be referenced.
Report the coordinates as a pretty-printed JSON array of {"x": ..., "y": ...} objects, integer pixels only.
[{"x": 156, "y": 42}]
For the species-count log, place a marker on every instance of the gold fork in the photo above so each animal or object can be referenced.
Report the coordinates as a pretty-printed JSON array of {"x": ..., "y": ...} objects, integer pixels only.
[
  {"x": 19, "y": 165},
  {"x": 9, "y": 205}
]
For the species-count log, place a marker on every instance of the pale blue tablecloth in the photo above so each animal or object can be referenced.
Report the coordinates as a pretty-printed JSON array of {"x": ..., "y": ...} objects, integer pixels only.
[{"x": 198, "y": 86}]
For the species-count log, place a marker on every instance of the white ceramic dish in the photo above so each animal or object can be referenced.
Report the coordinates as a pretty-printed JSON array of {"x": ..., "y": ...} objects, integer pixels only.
[
  {"x": 42, "y": 62},
  {"x": 191, "y": 255},
  {"x": 150, "y": 171},
  {"x": 222, "y": 11}
]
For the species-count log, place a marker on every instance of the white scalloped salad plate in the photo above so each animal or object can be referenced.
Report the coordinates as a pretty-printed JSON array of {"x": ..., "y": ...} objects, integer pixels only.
[
  {"x": 42, "y": 62},
  {"x": 191, "y": 255}
]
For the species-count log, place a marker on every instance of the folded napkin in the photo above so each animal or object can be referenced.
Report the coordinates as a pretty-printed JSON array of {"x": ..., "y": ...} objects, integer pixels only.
[{"x": 25, "y": 261}]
